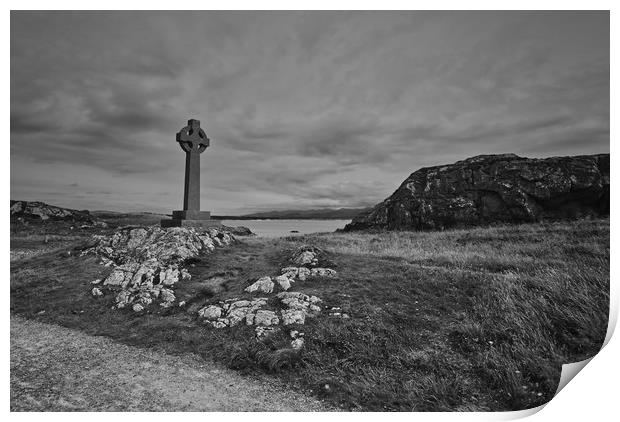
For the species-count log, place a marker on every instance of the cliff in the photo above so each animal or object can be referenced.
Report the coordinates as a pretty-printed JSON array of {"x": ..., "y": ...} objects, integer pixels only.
[{"x": 489, "y": 189}]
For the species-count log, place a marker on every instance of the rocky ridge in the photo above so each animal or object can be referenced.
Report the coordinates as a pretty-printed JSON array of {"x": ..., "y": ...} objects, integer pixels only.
[
  {"x": 40, "y": 211},
  {"x": 489, "y": 189},
  {"x": 147, "y": 262},
  {"x": 285, "y": 308}
]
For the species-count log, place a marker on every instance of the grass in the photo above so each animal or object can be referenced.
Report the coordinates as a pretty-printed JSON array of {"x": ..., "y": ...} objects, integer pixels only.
[{"x": 478, "y": 319}]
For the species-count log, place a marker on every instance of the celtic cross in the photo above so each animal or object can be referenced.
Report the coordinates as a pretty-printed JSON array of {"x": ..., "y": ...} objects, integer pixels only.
[{"x": 193, "y": 141}]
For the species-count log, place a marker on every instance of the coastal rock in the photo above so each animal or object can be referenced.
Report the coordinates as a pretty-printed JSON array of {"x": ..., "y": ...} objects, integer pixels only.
[
  {"x": 34, "y": 210},
  {"x": 488, "y": 189}
]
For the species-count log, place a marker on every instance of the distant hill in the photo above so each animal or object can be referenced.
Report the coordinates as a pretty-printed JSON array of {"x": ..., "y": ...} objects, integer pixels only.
[{"x": 315, "y": 214}]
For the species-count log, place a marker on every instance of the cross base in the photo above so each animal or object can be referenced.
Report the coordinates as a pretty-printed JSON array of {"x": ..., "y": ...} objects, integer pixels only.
[
  {"x": 190, "y": 223},
  {"x": 191, "y": 218},
  {"x": 191, "y": 215}
]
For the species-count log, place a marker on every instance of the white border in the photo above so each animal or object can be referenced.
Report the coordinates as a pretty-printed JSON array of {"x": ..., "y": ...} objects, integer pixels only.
[{"x": 590, "y": 396}]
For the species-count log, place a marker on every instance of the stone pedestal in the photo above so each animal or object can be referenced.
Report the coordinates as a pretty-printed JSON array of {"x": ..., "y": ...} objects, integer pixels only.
[
  {"x": 191, "y": 218},
  {"x": 173, "y": 222}
]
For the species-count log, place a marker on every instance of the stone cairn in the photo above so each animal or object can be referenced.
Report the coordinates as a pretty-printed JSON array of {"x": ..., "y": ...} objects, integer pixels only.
[
  {"x": 147, "y": 262},
  {"x": 295, "y": 307}
]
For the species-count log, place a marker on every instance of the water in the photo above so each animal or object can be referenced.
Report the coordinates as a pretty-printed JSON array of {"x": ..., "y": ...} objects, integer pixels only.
[{"x": 277, "y": 228}]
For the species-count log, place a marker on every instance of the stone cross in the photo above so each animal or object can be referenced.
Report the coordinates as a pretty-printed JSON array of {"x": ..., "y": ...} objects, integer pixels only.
[{"x": 194, "y": 142}]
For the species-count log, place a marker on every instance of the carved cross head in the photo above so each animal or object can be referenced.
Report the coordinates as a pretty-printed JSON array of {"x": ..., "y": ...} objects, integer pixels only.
[{"x": 192, "y": 138}]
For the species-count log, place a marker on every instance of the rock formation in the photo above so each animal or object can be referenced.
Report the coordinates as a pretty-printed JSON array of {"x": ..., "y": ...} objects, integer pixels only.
[
  {"x": 283, "y": 309},
  {"x": 147, "y": 262},
  {"x": 35, "y": 210},
  {"x": 494, "y": 189}
]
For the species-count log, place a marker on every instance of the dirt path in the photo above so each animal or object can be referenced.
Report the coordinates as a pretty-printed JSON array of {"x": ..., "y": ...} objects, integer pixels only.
[{"x": 58, "y": 369}]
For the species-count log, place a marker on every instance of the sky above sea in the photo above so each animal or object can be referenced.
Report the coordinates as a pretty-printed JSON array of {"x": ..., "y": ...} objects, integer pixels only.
[{"x": 303, "y": 109}]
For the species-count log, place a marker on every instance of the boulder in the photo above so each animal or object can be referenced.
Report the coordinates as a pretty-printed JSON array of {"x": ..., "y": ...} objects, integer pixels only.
[
  {"x": 210, "y": 312},
  {"x": 284, "y": 281},
  {"x": 489, "y": 189},
  {"x": 293, "y": 316},
  {"x": 266, "y": 318},
  {"x": 263, "y": 284},
  {"x": 306, "y": 256}
]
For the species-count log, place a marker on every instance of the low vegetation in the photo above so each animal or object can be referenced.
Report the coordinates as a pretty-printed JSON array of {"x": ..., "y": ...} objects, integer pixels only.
[{"x": 478, "y": 319}]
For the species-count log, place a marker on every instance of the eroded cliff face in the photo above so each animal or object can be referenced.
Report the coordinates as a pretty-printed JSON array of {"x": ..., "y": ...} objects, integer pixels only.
[{"x": 494, "y": 189}]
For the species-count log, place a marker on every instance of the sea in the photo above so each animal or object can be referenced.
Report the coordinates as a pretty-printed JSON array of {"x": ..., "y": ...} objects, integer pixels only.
[{"x": 278, "y": 228}]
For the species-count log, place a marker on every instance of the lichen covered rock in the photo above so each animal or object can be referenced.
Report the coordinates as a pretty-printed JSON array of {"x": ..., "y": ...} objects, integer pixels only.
[
  {"x": 147, "y": 261},
  {"x": 263, "y": 285}
]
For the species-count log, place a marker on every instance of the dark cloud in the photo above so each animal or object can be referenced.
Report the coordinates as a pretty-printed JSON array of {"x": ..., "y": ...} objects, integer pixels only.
[{"x": 302, "y": 108}]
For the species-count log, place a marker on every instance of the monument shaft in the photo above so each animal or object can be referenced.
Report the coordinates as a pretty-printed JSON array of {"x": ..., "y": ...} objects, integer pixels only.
[{"x": 191, "y": 198}]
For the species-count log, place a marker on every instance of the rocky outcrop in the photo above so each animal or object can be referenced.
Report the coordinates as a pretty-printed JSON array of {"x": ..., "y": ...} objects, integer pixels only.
[
  {"x": 270, "y": 315},
  {"x": 494, "y": 189},
  {"x": 147, "y": 262},
  {"x": 41, "y": 211}
]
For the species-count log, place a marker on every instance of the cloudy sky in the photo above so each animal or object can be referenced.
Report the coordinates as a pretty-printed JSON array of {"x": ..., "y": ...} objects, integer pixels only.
[{"x": 304, "y": 109}]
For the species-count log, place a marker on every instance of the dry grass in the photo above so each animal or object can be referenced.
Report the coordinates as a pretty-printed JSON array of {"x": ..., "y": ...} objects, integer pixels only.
[{"x": 477, "y": 319}]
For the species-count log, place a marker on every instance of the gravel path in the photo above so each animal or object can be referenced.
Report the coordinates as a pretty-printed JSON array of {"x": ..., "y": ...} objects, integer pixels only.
[{"x": 58, "y": 369}]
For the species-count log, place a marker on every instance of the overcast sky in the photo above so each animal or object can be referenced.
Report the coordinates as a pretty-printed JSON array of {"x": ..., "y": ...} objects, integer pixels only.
[{"x": 303, "y": 109}]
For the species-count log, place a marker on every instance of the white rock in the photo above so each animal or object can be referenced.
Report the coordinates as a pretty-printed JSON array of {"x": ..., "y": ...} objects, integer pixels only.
[
  {"x": 323, "y": 272},
  {"x": 305, "y": 258},
  {"x": 263, "y": 284},
  {"x": 137, "y": 307},
  {"x": 169, "y": 276},
  {"x": 96, "y": 292},
  {"x": 264, "y": 332},
  {"x": 293, "y": 316},
  {"x": 210, "y": 312},
  {"x": 303, "y": 273},
  {"x": 284, "y": 282},
  {"x": 123, "y": 298},
  {"x": 235, "y": 316},
  {"x": 96, "y": 281},
  {"x": 297, "y": 344},
  {"x": 266, "y": 318},
  {"x": 116, "y": 278},
  {"x": 167, "y": 295}
]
